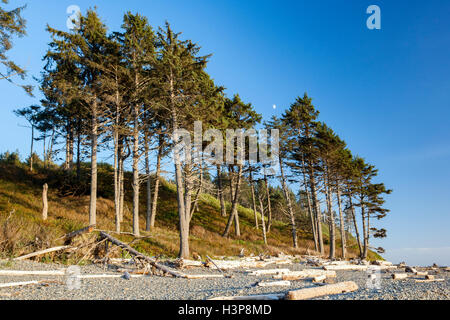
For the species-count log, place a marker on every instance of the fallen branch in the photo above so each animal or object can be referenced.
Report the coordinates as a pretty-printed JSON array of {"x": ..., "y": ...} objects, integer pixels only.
[
  {"x": 141, "y": 256},
  {"x": 330, "y": 289},
  {"x": 41, "y": 252},
  {"x": 69, "y": 237}
]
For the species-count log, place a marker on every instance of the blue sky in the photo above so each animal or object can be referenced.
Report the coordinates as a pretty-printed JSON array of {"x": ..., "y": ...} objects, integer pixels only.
[{"x": 385, "y": 92}]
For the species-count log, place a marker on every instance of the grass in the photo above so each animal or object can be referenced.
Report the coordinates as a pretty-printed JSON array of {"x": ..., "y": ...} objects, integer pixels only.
[{"x": 22, "y": 230}]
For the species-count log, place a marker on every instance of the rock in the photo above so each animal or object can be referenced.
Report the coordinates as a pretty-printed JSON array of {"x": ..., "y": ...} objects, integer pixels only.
[
  {"x": 410, "y": 269},
  {"x": 126, "y": 276}
]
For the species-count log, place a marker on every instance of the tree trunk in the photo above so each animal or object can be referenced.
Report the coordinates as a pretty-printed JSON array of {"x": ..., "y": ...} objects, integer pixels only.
[
  {"x": 263, "y": 223},
  {"x": 223, "y": 210},
  {"x": 44, "y": 202},
  {"x": 234, "y": 212},
  {"x": 310, "y": 209},
  {"x": 342, "y": 224},
  {"x": 317, "y": 210},
  {"x": 365, "y": 231},
  {"x": 94, "y": 136},
  {"x": 116, "y": 180},
  {"x": 288, "y": 200},
  {"x": 331, "y": 221},
  {"x": 156, "y": 191},
  {"x": 358, "y": 238},
  {"x": 252, "y": 188},
  {"x": 269, "y": 205},
  {"x": 32, "y": 144},
  {"x": 149, "y": 189},
  {"x": 135, "y": 183}
]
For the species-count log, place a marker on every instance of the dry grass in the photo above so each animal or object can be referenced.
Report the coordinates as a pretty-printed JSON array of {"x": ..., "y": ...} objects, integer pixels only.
[{"x": 22, "y": 230}]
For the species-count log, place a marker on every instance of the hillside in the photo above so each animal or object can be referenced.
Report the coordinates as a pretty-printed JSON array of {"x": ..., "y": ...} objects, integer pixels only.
[{"x": 22, "y": 230}]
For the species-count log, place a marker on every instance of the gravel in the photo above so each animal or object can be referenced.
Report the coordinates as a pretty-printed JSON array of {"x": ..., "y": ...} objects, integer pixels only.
[{"x": 165, "y": 288}]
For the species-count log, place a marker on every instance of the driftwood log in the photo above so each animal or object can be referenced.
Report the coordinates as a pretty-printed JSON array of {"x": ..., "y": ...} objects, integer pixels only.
[
  {"x": 346, "y": 267},
  {"x": 44, "y": 202},
  {"x": 18, "y": 284},
  {"x": 254, "y": 297},
  {"x": 274, "y": 284},
  {"x": 41, "y": 252},
  {"x": 268, "y": 272},
  {"x": 69, "y": 237},
  {"x": 399, "y": 276},
  {"x": 314, "y": 292},
  {"x": 307, "y": 273},
  {"x": 18, "y": 273},
  {"x": 137, "y": 254},
  {"x": 430, "y": 280}
]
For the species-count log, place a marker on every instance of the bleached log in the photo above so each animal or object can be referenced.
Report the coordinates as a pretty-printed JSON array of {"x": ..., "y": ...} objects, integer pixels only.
[
  {"x": 433, "y": 280},
  {"x": 326, "y": 290},
  {"x": 307, "y": 273},
  {"x": 20, "y": 273},
  {"x": 254, "y": 297},
  {"x": 274, "y": 284},
  {"x": 319, "y": 278},
  {"x": 184, "y": 263},
  {"x": 268, "y": 272},
  {"x": 336, "y": 263},
  {"x": 231, "y": 264},
  {"x": 41, "y": 252},
  {"x": 346, "y": 267},
  {"x": 429, "y": 277},
  {"x": 203, "y": 276},
  {"x": 106, "y": 276},
  {"x": 399, "y": 276},
  {"x": 44, "y": 202},
  {"x": 17, "y": 284},
  {"x": 421, "y": 273}
]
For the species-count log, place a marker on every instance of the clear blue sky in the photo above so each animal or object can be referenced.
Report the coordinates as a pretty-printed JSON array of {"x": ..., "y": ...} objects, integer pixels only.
[{"x": 386, "y": 92}]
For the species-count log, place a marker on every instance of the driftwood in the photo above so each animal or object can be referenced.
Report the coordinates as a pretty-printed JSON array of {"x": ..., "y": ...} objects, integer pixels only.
[
  {"x": 307, "y": 273},
  {"x": 18, "y": 284},
  {"x": 429, "y": 277},
  {"x": 141, "y": 256},
  {"x": 314, "y": 292},
  {"x": 268, "y": 272},
  {"x": 69, "y": 237},
  {"x": 254, "y": 297},
  {"x": 399, "y": 276},
  {"x": 204, "y": 276},
  {"x": 61, "y": 272},
  {"x": 319, "y": 279},
  {"x": 44, "y": 202},
  {"x": 430, "y": 280},
  {"x": 38, "y": 253},
  {"x": 346, "y": 267},
  {"x": 421, "y": 273},
  {"x": 232, "y": 264},
  {"x": 274, "y": 284}
]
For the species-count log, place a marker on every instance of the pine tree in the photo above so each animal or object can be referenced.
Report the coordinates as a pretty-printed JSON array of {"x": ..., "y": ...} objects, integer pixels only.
[{"x": 11, "y": 24}]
